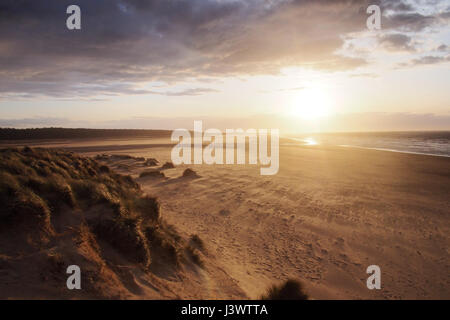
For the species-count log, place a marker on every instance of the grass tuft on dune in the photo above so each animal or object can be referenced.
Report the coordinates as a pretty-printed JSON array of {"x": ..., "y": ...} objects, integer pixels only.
[{"x": 291, "y": 289}]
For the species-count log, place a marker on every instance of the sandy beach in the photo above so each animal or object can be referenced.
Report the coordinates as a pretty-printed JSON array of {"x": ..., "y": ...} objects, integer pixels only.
[{"x": 328, "y": 214}]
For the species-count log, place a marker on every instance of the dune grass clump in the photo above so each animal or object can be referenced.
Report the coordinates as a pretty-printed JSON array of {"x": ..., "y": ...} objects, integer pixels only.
[
  {"x": 167, "y": 165},
  {"x": 148, "y": 207},
  {"x": 104, "y": 169},
  {"x": 152, "y": 174},
  {"x": 124, "y": 234},
  {"x": 194, "y": 255},
  {"x": 57, "y": 191},
  {"x": 122, "y": 156},
  {"x": 24, "y": 207},
  {"x": 291, "y": 289},
  {"x": 90, "y": 192},
  {"x": 197, "y": 242},
  {"x": 20, "y": 202},
  {"x": 151, "y": 162},
  {"x": 164, "y": 247},
  {"x": 102, "y": 157},
  {"x": 56, "y": 262},
  {"x": 189, "y": 173}
]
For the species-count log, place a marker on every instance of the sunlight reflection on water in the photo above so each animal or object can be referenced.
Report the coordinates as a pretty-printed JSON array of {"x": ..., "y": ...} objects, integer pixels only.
[{"x": 310, "y": 142}]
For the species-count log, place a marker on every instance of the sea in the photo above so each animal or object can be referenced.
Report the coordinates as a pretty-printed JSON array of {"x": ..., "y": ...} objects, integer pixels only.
[{"x": 436, "y": 143}]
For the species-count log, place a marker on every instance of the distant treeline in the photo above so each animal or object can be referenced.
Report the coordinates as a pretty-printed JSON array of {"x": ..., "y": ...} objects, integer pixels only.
[{"x": 64, "y": 133}]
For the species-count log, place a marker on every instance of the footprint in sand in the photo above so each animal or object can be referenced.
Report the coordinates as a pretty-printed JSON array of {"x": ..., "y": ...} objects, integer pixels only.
[{"x": 224, "y": 212}]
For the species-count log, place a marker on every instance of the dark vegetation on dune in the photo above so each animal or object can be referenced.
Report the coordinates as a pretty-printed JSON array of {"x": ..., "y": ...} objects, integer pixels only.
[
  {"x": 68, "y": 209},
  {"x": 151, "y": 162},
  {"x": 152, "y": 174},
  {"x": 197, "y": 242},
  {"x": 167, "y": 165},
  {"x": 190, "y": 173},
  {"x": 106, "y": 157},
  {"x": 291, "y": 289}
]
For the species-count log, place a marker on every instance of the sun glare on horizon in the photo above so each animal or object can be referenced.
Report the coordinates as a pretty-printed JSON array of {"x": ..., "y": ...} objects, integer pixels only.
[{"x": 311, "y": 104}]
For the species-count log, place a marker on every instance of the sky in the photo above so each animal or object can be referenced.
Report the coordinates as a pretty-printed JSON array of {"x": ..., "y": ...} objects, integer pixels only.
[{"x": 296, "y": 65}]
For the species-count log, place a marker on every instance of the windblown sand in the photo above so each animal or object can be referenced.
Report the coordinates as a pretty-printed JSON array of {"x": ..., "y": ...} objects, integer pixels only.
[{"x": 324, "y": 218}]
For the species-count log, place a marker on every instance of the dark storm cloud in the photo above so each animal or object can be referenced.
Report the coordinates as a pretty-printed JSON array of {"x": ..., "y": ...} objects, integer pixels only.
[{"x": 129, "y": 42}]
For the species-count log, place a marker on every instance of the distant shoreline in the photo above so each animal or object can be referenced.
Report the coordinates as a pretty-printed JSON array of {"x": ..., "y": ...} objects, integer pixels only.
[{"x": 396, "y": 151}]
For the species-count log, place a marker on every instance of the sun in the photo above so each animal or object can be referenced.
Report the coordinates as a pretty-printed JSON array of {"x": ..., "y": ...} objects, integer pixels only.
[{"x": 311, "y": 104}]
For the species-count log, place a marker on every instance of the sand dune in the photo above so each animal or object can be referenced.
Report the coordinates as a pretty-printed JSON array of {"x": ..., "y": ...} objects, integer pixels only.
[{"x": 60, "y": 209}]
